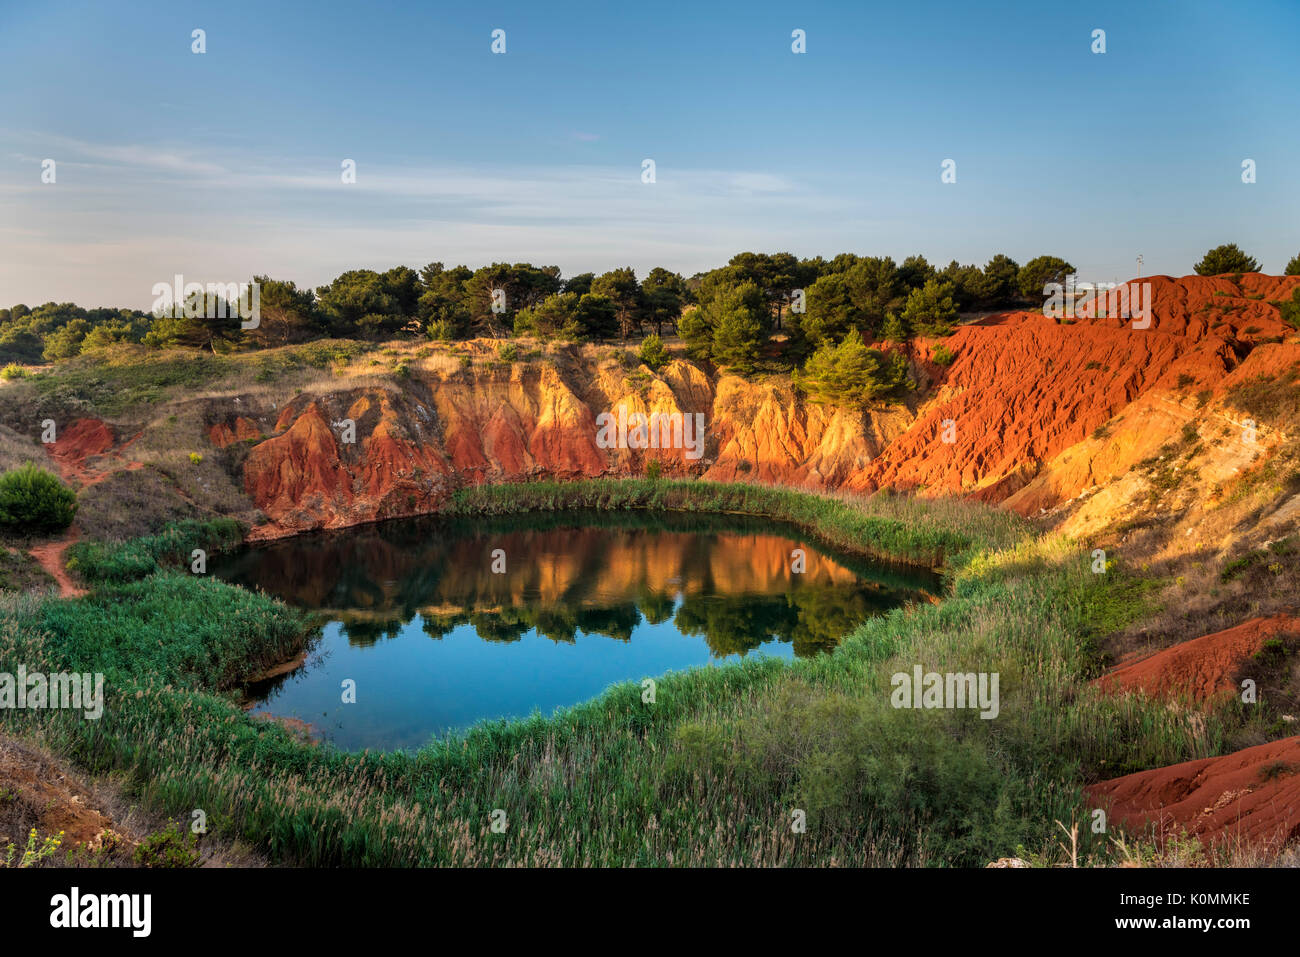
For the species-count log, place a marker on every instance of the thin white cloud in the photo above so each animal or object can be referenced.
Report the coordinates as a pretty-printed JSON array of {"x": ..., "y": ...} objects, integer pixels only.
[{"x": 143, "y": 213}]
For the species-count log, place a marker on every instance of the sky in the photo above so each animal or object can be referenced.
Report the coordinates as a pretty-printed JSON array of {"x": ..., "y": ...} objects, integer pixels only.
[{"x": 226, "y": 164}]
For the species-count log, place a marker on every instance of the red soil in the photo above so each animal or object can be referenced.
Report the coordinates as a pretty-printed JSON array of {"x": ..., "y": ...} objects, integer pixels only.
[
  {"x": 1025, "y": 393},
  {"x": 73, "y": 445},
  {"x": 1202, "y": 667},
  {"x": 1251, "y": 796},
  {"x": 225, "y": 433},
  {"x": 50, "y": 557},
  {"x": 46, "y": 795}
]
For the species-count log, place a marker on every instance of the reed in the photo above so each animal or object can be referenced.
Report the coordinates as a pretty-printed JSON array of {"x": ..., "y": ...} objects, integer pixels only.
[{"x": 710, "y": 774}]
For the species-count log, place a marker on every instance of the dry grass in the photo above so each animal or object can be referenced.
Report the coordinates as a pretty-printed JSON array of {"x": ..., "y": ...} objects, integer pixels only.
[{"x": 43, "y": 792}]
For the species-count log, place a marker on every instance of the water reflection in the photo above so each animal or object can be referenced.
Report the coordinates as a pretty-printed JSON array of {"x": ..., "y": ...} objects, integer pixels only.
[{"x": 628, "y": 594}]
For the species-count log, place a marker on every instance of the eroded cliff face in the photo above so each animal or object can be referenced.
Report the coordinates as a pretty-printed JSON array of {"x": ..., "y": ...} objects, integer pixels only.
[{"x": 1032, "y": 412}]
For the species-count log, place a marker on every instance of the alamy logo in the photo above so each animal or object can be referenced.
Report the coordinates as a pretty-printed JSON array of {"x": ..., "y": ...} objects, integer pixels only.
[
  {"x": 934, "y": 690},
  {"x": 73, "y": 910},
  {"x": 75, "y": 692},
  {"x": 658, "y": 430},
  {"x": 1099, "y": 300},
  {"x": 217, "y": 300}
]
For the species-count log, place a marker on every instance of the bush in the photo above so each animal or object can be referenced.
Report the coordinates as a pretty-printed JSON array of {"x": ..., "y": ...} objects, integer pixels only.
[
  {"x": 1290, "y": 309},
  {"x": 139, "y": 557},
  {"x": 34, "y": 500},
  {"x": 850, "y": 374},
  {"x": 653, "y": 353},
  {"x": 942, "y": 355},
  {"x": 168, "y": 848},
  {"x": 1226, "y": 259},
  {"x": 13, "y": 371},
  {"x": 441, "y": 330},
  {"x": 508, "y": 352}
]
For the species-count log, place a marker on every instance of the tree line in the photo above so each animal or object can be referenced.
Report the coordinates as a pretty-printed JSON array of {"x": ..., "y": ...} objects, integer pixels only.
[
  {"x": 722, "y": 311},
  {"x": 816, "y": 316}
]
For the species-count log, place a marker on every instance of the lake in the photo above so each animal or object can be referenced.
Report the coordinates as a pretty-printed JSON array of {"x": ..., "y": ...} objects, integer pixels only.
[{"x": 444, "y": 622}]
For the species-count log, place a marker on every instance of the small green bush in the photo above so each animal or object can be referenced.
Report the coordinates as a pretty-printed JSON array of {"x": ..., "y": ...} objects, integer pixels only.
[
  {"x": 168, "y": 848},
  {"x": 13, "y": 371},
  {"x": 508, "y": 352},
  {"x": 653, "y": 353},
  {"x": 33, "y": 499},
  {"x": 441, "y": 330},
  {"x": 942, "y": 355}
]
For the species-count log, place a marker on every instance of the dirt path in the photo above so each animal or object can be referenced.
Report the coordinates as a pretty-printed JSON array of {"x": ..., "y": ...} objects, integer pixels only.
[{"x": 50, "y": 557}]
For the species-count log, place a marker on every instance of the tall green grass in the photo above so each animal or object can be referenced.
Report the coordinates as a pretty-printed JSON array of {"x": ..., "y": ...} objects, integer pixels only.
[
  {"x": 884, "y": 525},
  {"x": 96, "y": 562},
  {"x": 709, "y": 774}
]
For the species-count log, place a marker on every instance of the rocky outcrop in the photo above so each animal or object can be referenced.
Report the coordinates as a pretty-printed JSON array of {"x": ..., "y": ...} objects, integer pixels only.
[
  {"x": 239, "y": 429},
  {"x": 1032, "y": 412}
]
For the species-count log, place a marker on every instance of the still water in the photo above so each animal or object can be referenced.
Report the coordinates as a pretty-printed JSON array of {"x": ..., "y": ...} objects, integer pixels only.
[{"x": 435, "y": 639}]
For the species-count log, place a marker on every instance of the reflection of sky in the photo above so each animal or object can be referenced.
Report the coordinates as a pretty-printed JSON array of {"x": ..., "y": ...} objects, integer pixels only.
[{"x": 411, "y": 687}]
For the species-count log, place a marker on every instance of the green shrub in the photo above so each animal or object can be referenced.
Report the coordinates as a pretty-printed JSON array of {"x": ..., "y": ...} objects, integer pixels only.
[
  {"x": 126, "y": 561},
  {"x": 942, "y": 355},
  {"x": 33, "y": 499},
  {"x": 929, "y": 311},
  {"x": 168, "y": 848},
  {"x": 13, "y": 371},
  {"x": 508, "y": 352},
  {"x": 441, "y": 330},
  {"x": 850, "y": 374},
  {"x": 1289, "y": 309},
  {"x": 653, "y": 353}
]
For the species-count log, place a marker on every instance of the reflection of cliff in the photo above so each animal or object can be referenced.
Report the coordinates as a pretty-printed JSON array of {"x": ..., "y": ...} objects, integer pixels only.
[
  {"x": 391, "y": 571},
  {"x": 735, "y": 583}
]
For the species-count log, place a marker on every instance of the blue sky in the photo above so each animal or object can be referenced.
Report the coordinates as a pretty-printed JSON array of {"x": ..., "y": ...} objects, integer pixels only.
[{"x": 226, "y": 164}]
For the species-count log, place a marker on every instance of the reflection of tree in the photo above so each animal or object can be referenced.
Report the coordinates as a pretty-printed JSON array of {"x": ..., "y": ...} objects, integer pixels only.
[
  {"x": 440, "y": 626},
  {"x": 657, "y": 607},
  {"x": 813, "y": 618},
  {"x": 825, "y": 615},
  {"x": 616, "y": 622},
  {"x": 735, "y": 624},
  {"x": 363, "y": 633},
  {"x": 557, "y": 624},
  {"x": 494, "y": 626}
]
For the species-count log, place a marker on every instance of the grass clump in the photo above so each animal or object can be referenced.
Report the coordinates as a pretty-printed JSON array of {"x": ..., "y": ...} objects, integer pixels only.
[
  {"x": 126, "y": 561},
  {"x": 883, "y": 525}
]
